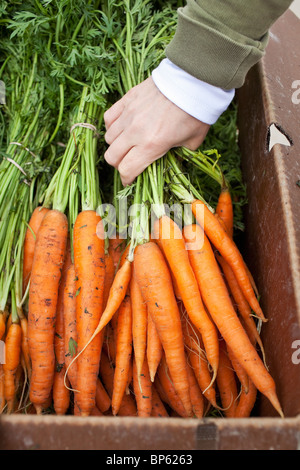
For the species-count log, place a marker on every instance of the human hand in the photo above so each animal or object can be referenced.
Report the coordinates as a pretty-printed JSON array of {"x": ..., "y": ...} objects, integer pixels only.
[{"x": 144, "y": 125}]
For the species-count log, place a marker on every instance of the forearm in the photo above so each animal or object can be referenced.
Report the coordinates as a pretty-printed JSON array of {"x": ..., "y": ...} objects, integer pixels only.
[{"x": 218, "y": 42}]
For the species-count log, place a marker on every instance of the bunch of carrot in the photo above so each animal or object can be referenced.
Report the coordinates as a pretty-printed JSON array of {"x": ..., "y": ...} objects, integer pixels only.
[
  {"x": 161, "y": 322},
  {"x": 161, "y": 327}
]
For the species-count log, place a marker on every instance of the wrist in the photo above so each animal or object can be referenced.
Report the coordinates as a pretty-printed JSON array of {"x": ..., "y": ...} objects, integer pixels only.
[{"x": 201, "y": 100}]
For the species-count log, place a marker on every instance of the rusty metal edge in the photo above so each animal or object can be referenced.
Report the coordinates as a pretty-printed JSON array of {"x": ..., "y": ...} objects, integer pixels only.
[{"x": 27, "y": 432}]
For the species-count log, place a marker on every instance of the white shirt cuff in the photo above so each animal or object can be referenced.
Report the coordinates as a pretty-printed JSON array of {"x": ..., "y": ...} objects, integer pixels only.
[{"x": 197, "y": 98}]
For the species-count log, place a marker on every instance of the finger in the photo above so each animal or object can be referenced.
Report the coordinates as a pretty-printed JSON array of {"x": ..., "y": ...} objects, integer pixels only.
[
  {"x": 114, "y": 131},
  {"x": 134, "y": 163},
  {"x": 117, "y": 150},
  {"x": 113, "y": 113}
]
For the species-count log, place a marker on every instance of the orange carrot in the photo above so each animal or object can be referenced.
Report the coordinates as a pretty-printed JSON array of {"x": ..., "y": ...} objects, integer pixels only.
[
  {"x": 12, "y": 361},
  {"x": 217, "y": 300},
  {"x": 203, "y": 376},
  {"x": 123, "y": 353},
  {"x": 109, "y": 343},
  {"x": 2, "y": 325},
  {"x": 89, "y": 262},
  {"x": 8, "y": 323},
  {"x": 29, "y": 242},
  {"x": 224, "y": 213},
  {"x": 155, "y": 282},
  {"x": 109, "y": 277},
  {"x": 139, "y": 323},
  {"x": 96, "y": 412},
  {"x": 161, "y": 392},
  {"x": 246, "y": 402},
  {"x": 173, "y": 245},
  {"x": 116, "y": 248},
  {"x": 129, "y": 377},
  {"x": 43, "y": 293},
  {"x": 158, "y": 408},
  {"x": 239, "y": 370},
  {"x": 195, "y": 393},
  {"x": 225, "y": 209},
  {"x": 142, "y": 387},
  {"x": 70, "y": 329},
  {"x": 167, "y": 385},
  {"x": 174, "y": 281},
  {"x": 154, "y": 349},
  {"x": 239, "y": 299},
  {"x": 226, "y": 382},
  {"x": 228, "y": 249},
  {"x": 128, "y": 405},
  {"x": 116, "y": 296},
  {"x": 24, "y": 344},
  {"x": 103, "y": 401},
  {"x": 61, "y": 394}
]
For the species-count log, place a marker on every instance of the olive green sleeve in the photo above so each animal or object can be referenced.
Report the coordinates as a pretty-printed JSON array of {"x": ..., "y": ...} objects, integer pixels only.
[{"x": 219, "y": 41}]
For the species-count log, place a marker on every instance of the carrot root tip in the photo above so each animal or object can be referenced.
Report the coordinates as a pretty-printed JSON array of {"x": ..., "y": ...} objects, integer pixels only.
[{"x": 38, "y": 409}]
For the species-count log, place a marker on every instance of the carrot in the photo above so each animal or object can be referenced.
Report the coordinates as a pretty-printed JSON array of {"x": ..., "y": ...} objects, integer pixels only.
[
  {"x": 158, "y": 408},
  {"x": 224, "y": 213},
  {"x": 167, "y": 385},
  {"x": 239, "y": 370},
  {"x": 89, "y": 262},
  {"x": 174, "y": 281},
  {"x": 12, "y": 361},
  {"x": 239, "y": 299},
  {"x": 129, "y": 377},
  {"x": 8, "y": 323},
  {"x": 123, "y": 353},
  {"x": 192, "y": 337},
  {"x": 2, "y": 325},
  {"x": 109, "y": 277},
  {"x": 128, "y": 405},
  {"x": 155, "y": 282},
  {"x": 61, "y": 394},
  {"x": 225, "y": 209},
  {"x": 116, "y": 295},
  {"x": 228, "y": 249},
  {"x": 20, "y": 381},
  {"x": 246, "y": 402},
  {"x": 154, "y": 349},
  {"x": 25, "y": 344},
  {"x": 70, "y": 329},
  {"x": 29, "y": 242},
  {"x": 109, "y": 343},
  {"x": 139, "y": 323},
  {"x": 203, "y": 376},
  {"x": 103, "y": 401},
  {"x": 217, "y": 300},
  {"x": 43, "y": 292},
  {"x": 116, "y": 248},
  {"x": 142, "y": 387},
  {"x": 96, "y": 412},
  {"x": 195, "y": 393},
  {"x": 173, "y": 245},
  {"x": 226, "y": 382},
  {"x": 161, "y": 392}
]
